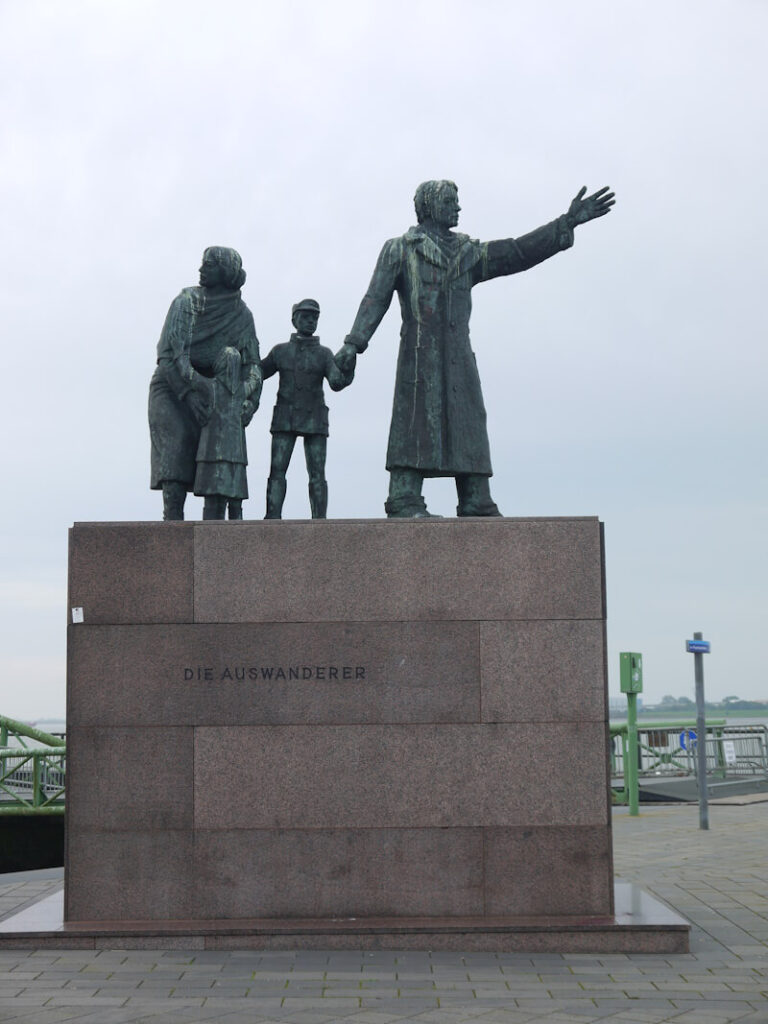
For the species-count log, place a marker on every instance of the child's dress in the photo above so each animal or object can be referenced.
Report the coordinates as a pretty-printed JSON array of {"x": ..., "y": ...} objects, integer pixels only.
[{"x": 221, "y": 453}]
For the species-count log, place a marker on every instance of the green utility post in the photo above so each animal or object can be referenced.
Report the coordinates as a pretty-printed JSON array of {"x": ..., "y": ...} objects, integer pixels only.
[
  {"x": 631, "y": 682},
  {"x": 698, "y": 647}
]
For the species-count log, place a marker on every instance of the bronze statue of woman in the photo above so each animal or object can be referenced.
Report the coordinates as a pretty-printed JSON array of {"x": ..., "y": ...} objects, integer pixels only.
[{"x": 201, "y": 322}]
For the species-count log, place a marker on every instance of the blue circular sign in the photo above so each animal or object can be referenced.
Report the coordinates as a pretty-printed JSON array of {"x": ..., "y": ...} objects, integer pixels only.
[{"x": 688, "y": 739}]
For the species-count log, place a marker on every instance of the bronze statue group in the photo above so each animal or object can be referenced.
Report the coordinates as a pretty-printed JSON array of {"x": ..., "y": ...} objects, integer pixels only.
[
  {"x": 207, "y": 384},
  {"x": 207, "y": 387}
]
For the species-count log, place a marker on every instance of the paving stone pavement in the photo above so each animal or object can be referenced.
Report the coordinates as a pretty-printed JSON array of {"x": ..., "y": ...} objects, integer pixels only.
[{"x": 717, "y": 879}]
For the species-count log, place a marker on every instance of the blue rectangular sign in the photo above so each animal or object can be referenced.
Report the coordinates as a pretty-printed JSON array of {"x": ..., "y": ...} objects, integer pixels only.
[{"x": 697, "y": 646}]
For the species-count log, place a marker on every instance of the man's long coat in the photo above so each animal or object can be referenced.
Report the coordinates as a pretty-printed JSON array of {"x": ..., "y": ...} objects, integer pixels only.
[{"x": 438, "y": 416}]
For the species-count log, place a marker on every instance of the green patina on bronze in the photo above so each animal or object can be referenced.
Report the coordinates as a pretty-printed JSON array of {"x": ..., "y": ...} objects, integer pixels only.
[
  {"x": 204, "y": 392},
  {"x": 438, "y": 425},
  {"x": 303, "y": 364}
]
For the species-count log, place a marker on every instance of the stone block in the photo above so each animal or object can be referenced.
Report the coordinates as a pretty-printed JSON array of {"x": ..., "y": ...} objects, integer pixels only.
[
  {"x": 274, "y": 673},
  {"x": 545, "y": 870},
  {"x": 129, "y": 876},
  {"x": 402, "y": 570},
  {"x": 131, "y": 572},
  {"x": 129, "y": 779},
  {"x": 401, "y": 776},
  {"x": 543, "y": 671},
  {"x": 130, "y": 676},
  {"x": 242, "y": 873}
]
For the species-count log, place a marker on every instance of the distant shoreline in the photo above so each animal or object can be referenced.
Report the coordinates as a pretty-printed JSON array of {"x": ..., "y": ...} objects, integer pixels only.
[{"x": 755, "y": 717}]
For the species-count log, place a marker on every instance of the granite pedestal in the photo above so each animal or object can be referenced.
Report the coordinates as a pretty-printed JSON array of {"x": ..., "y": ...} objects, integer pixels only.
[{"x": 374, "y": 731}]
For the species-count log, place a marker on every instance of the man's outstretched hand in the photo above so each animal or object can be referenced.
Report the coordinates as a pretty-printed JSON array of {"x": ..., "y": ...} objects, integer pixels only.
[
  {"x": 597, "y": 205},
  {"x": 346, "y": 358}
]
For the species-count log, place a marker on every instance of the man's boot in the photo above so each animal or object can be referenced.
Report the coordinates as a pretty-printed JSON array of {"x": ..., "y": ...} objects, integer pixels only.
[
  {"x": 474, "y": 493},
  {"x": 215, "y": 507},
  {"x": 235, "y": 508},
  {"x": 405, "y": 500},
  {"x": 407, "y": 506},
  {"x": 174, "y": 496},
  {"x": 276, "y": 488},
  {"x": 318, "y": 498}
]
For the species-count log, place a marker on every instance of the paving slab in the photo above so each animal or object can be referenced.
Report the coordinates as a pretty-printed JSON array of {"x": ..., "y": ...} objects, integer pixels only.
[{"x": 718, "y": 878}]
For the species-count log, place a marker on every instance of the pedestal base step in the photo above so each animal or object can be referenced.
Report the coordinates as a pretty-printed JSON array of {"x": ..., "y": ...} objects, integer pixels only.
[{"x": 641, "y": 925}]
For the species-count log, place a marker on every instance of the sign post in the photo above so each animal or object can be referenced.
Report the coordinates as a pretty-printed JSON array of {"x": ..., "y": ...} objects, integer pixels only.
[
  {"x": 698, "y": 647},
  {"x": 631, "y": 682}
]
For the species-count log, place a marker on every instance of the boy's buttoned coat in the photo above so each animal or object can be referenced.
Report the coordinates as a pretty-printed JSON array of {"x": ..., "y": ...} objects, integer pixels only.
[{"x": 303, "y": 365}]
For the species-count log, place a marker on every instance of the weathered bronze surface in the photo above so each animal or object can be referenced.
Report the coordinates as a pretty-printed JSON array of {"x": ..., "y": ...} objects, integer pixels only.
[
  {"x": 438, "y": 423},
  {"x": 303, "y": 364},
  {"x": 199, "y": 399},
  {"x": 221, "y": 452}
]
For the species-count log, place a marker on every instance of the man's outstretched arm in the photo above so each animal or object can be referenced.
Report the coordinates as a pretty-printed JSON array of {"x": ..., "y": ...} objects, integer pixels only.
[{"x": 512, "y": 255}]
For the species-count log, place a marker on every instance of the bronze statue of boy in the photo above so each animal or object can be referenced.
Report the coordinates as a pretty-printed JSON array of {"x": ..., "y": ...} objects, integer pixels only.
[{"x": 303, "y": 364}]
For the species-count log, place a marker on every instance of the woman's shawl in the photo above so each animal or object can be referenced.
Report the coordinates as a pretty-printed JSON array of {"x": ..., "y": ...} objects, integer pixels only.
[{"x": 197, "y": 327}]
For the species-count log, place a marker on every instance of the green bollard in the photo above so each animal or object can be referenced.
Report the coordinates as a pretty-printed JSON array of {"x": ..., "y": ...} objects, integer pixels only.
[
  {"x": 631, "y": 682},
  {"x": 631, "y": 768}
]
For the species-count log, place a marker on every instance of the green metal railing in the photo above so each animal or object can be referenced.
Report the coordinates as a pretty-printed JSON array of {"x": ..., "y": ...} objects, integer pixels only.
[
  {"x": 732, "y": 751},
  {"x": 32, "y": 778}
]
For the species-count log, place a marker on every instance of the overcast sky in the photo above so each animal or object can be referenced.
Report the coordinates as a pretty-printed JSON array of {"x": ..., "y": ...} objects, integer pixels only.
[{"x": 624, "y": 378}]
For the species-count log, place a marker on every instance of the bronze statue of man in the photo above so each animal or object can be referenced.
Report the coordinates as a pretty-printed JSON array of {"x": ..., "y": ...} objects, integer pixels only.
[{"x": 438, "y": 417}]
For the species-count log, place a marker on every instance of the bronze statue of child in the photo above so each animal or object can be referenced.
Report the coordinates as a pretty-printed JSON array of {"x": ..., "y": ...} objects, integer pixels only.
[
  {"x": 221, "y": 452},
  {"x": 303, "y": 364}
]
